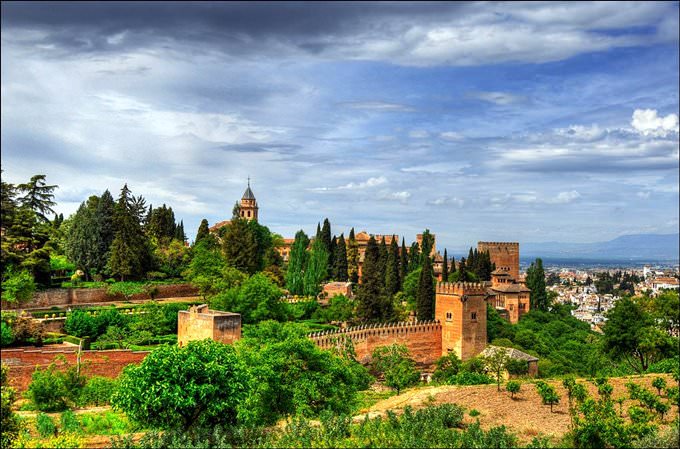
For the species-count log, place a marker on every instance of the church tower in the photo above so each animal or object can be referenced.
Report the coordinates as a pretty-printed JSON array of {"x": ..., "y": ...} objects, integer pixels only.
[{"x": 249, "y": 204}]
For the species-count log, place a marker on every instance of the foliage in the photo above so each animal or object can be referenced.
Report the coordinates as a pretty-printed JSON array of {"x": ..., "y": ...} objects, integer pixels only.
[
  {"x": 97, "y": 391},
  {"x": 517, "y": 367},
  {"x": 17, "y": 287},
  {"x": 659, "y": 383},
  {"x": 200, "y": 384},
  {"x": 340, "y": 260},
  {"x": 10, "y": 423},
  {"x": 548, "y": 394},
  {"x": 425, "y": 295},
  {"x": 513, "y": 387},
  {"x": 69, "y": 422},
  {"x": 203, "y": 231},
  {"x": 295, "y": 377},
  {"x": 446, "y": 367},
  {"x": 395, "y": 364},
  {"x": 297, "y": 264},
  {"x": 535, "y": 281},
  {"x": 45, "y": 425},
  {"x": 340, "y": 308},
  {"x": 352, "y": 258},
  {"x": 81, "y": 324},
  {"x": 496, "y": 362},
  {"x": 372, "y": 303},
  {"x": 392, "y": 272},
  {"x": 53, "y": 390},
  {"x": 256, "y": 299},
  {"x": 126, "y": 289},
  {"x": 470, "y": 378},
  {"x": 6, "y": 335},
  {"x": 26, "y": 329},
  {"x": 317, "y": 268},
  {"x": 106, "y": 423}
]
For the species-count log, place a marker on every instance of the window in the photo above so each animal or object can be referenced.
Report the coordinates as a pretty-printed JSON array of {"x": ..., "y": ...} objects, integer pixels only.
[
  {"x": 248, "y": 214},
  {"x": 449, "y": 316},
  {"x": 474, "y": 315},
  {"x": 512, "y": 307},
  {"x": 522, "y": 306}
]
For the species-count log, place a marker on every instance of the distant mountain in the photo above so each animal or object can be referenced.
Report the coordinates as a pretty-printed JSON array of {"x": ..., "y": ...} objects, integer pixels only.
[{"x": 661, "y": 247}]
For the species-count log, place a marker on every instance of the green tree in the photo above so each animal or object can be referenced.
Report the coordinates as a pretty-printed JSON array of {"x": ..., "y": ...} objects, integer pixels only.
[
  {"x": 38, "y": 196},
  {"x": 513, "y": 387},
  {"x": 81, "y": 324},
  {"x": 373, "y": 305},
  {"x": 414, "y": 257},
  {"x": 535, "y": 281},
  {"x": 17, "y": 287},
  {"x": 240, "y": 246},
  {"x": 548, "y": 394},
  {"x": 203, "y": 231},
  {"x": 445, "y": 267},
  {"x": 352, "y": 258},
  {"x": 161, "y": 226},
  {"x": 427, "y": 243},
  {"x": 425, "y": 296},
  {"x": 392, "y": 281},
  {"x": 106, "y": 231},
  {"x": 325, "y": 235},
  {"x": 395, "y": 364},
  {"x": 201, "y": 384},
  {"x": 382, "y": 259},
  {"x": 10, "y": 422},
  {"x": 82, "y": 243},
  {"x": 256, "y": 299},
  {"x": 496, "y": 362},
  {"x": 340, "y": 268},
  {"x": 446, "y": 367},
  {"x": 317, "y": 268},
  {"x": 332, "y": 254},
  {"x": 403, "y": 264},
  {"x": 297, "y": 264}
]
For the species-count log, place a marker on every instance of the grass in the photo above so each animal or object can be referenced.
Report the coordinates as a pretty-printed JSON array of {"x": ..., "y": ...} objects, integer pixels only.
[
  {"x": 368, "y": 398},
  {"x": 106, "y": 423}
]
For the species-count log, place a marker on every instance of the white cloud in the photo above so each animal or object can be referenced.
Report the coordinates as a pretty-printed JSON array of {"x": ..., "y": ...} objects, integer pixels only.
[
  {"x": 451, "y": 135},
  {"x": 499, "y": 98},
  {"x": 379, "y": 106},
  {"x": 581, "y": 132},
  {"x": 438, "y": 167},
  {"x": 419, "y": 134},
  {"x": 643, "y": 195},
  {"x": 565, "y": 197},
  {"x": 370, "y": 182},
  {"x": 402, "y": 196},
  {"x": 647, "y": 122},
  {"x": 446, "y": 200}
]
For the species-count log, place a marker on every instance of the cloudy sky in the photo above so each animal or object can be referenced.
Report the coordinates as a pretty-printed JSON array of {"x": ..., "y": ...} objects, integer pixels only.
[{"x": 527, "y": 122}]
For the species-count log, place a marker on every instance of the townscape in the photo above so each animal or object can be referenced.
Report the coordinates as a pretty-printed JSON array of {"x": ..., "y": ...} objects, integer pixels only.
[{"x": 340, "y": 224}]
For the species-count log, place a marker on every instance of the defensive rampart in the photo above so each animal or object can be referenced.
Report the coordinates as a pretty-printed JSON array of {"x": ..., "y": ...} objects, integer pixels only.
[
  {"x": 423, "y": 339},
  {"x": 22, "y": 362}
]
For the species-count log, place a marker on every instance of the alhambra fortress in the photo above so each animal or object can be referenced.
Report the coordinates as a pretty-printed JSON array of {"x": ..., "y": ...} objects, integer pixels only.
[{"x": 460, "y": 308}]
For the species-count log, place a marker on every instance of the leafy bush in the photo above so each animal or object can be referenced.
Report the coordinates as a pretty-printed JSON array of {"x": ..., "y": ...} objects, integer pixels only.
[
  {"x": 664, "y": 366},
  {"x": 17, "y": 287},
  {"x": 6, "y": 335},
  {"x": 517, "y": 367},
  {"x": 69, "y": 422},
  {"x": 446, "y": 367},
  {"x": 45, "y": 426},
  {"x": 52, "y": 390},
  {"x": 548, "y": 394},
  {"x": 474, "y": 413},
  {"x": 467, "y": 378},
  {"x": 106, "y": 423},
  {"x": 659, "y": 383},
  {"x": 513, "y": 387},
  {"x": 394, "y": 363},
  {"x": 81, "y": 324},
  {"x": 97, "y": 391}
]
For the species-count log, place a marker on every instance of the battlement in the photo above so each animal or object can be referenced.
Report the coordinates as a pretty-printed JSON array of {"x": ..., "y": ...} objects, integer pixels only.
[
  {"x": 326, "y": 339},
  {"x": 460, "y": 288},
  {"x": 508, "y": 244}
]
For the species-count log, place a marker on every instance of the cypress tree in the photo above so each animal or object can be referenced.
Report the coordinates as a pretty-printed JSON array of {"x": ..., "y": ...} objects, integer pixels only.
[
  {"x": 373, "y": 305},
  {"x": 340, "y": 268},
  {"x": 352, "y": 258},
  {"x": 382, "y": 257},
  {"x": 392, "y": 280},
  {"x": 327, "y": 240},
  {"x": 317, "y": 268},
  {"x": 82, "y": 240},
  {"x": 331, "y": 258},
  {"x": 106, "y": 230},
  {"x": 414, "y": 257},
  {"x": 453, "y": 267},
  {"x": 445, "y": 268},
  {"x": 427, "y": 243},
  {"x": 470, "y": 262},
  {"x": 318, "y": 231},
  {"x": 203, "y": 231},
  {"x": 240, "y": 246},
  {"x": 297, "y": 264},
  {"x": 462, "y": 270},
  {"x": 403, "y": 264},
  {"x": 535, "y": 281},
  {"x": 425, "y": 295}
]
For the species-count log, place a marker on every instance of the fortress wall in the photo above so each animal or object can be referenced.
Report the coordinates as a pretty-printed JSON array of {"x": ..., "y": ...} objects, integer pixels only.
[
  {"x": 504, "y": 254},
  {"x": 423, "y": 339}
]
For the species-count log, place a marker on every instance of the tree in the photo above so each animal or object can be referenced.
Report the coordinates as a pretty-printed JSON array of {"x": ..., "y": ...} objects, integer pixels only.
[
  {"x": 414, "y": 257},
  {"x": 425, "y": 296},
  {"x": 659, "y": 383},
  {"x": 392, "y": 281},
  {"x": 630, "y": 334},
  {"x": 317, "y": 268},
  {"x": 548, "y": 394},
  {"x": 535, "y": 281},
  {"x": 445, "y": 267},
  {"x": 395, "y": 364},
  {"x": 513, "y": 387},
  {"x": 180, "y": 235},
  {"x": 461, "y": 272},
  {"x": 11, "y": 423},
  {"x": 403, "y": 264},
  {"x": 201, "y": 384},
  {"x": 256, "y": 299},
  {"x": 373, "y": 305},
  {"x": 446, "y": 367},
  {"x": 352, "y": 258},
  {"x": 38, "y": 197},
  {"x": 496, "y": 362},
  {"x": 17, "y": 287},
  {"x": 240, "y": 246},
  {"x": 332, "y": 253},
  {"x": 297, "y": 264},
  {"x": 106, "y": 231},
  {"x": 426, "y": 245},
  {"x": 161, "y": 226},
  {"x": 325, "y": 235},
  {"x": 340, "y": 268},
  {"x": 82, "y": 243},
  {"x": 382, "y": 259}
]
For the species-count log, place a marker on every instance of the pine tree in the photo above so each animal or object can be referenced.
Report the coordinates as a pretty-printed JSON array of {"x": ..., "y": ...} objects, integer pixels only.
[
  {"x": 352, "y": 258},
  {"x": 427, "y": 243},
  {"x": 414, "y": 257},
  {"x": 326, "y": 240},
  {"x": 462, "y": 270},
  {"x": 445, "y": 268},
  {"x": 106, "y": 229},
  {"x": 392, "y": 281},
  {"x": 382, "y": 257},
  {"x": 373, "y": 305},
  {"x": 403, "y": 264},
  {"x": 130, "y": 253},
  {"x": 453, "y": 268},
  {"x": 317, "y": 268},
  {"x": 425, "y": 295},
  {"x": 82, "y": 241},
  {"x": 203, "y": 231},
  {"x": 297, "y": 264},
  {"x": 240, "y": 246},
  {"x": 340, "y": 268},
  {"x": 535, "y": 281},
  {"x": 179, "y": 232},
  {"x": 38, "y": 197},
  {"x": 331, "y": 258}
]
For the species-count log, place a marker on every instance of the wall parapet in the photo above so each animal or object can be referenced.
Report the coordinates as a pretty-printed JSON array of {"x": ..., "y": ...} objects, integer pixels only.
[
  {"x": 499, "y": 243},
  {"x": 326, "y": 339},
  {"x": 460, "y": 288}
]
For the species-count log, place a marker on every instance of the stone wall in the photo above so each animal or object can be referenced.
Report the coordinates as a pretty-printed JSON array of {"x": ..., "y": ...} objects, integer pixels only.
[
  {"x": 461, "y": 310},
  {"x": 199, "y": 323},
  {"x": 423, "y": 339},
  {"x": 504, "y": 254},
  {"x": 22, "y": 362},
  {"x": 72, "y": 296}
]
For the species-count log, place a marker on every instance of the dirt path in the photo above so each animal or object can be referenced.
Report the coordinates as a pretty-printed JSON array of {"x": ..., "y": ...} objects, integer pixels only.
[
  {"x": 525, "y": 415},
  {"x": 77, "y": 411}
]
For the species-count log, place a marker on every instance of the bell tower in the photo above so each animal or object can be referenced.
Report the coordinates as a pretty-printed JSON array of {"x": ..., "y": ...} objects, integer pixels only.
[{"x": 249, "y": 204}]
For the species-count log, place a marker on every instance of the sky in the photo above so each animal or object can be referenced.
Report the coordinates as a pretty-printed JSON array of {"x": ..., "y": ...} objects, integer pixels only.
[{"x": 526, "y": 122}]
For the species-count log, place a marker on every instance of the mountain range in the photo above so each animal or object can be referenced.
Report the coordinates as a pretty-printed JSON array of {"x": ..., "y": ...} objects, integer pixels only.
[{"x": 659, "y": 247}]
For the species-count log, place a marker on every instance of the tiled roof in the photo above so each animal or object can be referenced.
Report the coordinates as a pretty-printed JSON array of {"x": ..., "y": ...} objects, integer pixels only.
[
  {"x": 510, "y": 288},
  {"x": 217, "y": 226},
  {"x": 248, "y": 194},
  {"x": 511, "y": 352}
]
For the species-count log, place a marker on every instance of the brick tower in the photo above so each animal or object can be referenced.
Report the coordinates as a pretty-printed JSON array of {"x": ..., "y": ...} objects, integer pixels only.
[
  {"x": 249, "y": 204},
  {"x": 461, "y": 310},
  {"x": 504, "y": 254}
]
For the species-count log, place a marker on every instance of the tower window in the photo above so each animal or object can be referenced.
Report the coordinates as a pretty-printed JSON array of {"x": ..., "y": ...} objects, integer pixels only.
[
  {"x": 473, "y": 315},
  {"x": 449, "y": 316},
  {"x": 248, "y": 214}
]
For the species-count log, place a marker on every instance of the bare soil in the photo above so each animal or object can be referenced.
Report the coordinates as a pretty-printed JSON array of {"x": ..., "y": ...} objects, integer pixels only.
[{"x": 524, "y": 415}]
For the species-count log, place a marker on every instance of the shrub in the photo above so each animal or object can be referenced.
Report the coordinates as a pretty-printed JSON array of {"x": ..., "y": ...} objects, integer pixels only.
[
  {"x": 513, "y": 387},
  {"x": 395, "y": 364},
  {"x": 26, "y": 329},
  {"x": 97, "y": 391},
  {"x": 659, "y": 383},
  {"x": 6, "y": 335},
  {"x": 47, "y": 391},
  {"x": 45, "y": 426},
  {"x": 446, "y": 367},
  {"x": 11, "y": 423},
  {"x": 69, "y": 422},
  {"x": 517, "y": 367},
  {"x": 474, "y": 365},
  {"x": 81, "y": 324},
  {"x": 466, "y": 378},
  {"x": 17, "y": 286},
  {"x": 474, "y": 412},
  {"x": 548, "y": 394}
]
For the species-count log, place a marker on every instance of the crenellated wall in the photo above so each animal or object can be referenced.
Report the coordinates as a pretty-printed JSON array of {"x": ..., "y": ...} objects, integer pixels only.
[{"x": 423, "y": 339}]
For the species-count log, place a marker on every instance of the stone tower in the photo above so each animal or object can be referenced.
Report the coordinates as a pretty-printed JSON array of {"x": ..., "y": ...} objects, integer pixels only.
[
  {"x": 504, "y": 254},
  {"x": 249, "y": 204},
  {"x": 461, "y": 310}
]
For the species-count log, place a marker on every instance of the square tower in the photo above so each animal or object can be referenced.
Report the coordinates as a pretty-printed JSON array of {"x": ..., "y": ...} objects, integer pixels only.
[
  {"x": 461, "y": 310},
  {"x": 505, "y": 255}
]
